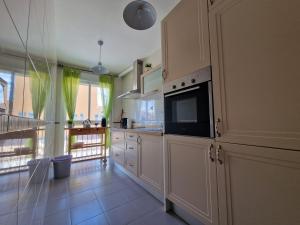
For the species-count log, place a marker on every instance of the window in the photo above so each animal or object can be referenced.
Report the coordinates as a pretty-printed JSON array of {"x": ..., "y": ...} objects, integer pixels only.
[
  {"x": 15, "y": 86},
  {"x": 89, "y": 103},
  {"x": 82, "y": 103}
]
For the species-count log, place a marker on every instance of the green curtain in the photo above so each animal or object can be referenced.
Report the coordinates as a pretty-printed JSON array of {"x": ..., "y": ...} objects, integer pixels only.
[
  {"x": 107, "y": 90},
  {"x": 39, "y": 87},
  {"x": 71, "y": 78}
]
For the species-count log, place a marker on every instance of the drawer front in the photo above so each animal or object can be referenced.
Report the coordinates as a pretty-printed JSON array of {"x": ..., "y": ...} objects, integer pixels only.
[
  {"x": 118, "y": 155},
  {"x": 117, "y": 136},
  {"x": 131, "y": 146},
  {"x": 132, "y": 137},
  {"x": 119, "y": 144},
  {"x": 131, "y": 165}
]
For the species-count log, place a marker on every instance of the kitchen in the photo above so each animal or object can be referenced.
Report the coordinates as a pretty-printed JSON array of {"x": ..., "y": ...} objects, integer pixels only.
[
  {"x": 245, "y": 171},
  {"x": 202, "y": 128}
]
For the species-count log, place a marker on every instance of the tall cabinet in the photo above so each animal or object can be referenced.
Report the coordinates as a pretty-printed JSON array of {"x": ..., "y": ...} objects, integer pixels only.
[
  {"x": 250, "y": 175},
  {"x": 257, "y": 185},
  {"x": 185, "y": 39},
  {"x": 255, "y": 55}
]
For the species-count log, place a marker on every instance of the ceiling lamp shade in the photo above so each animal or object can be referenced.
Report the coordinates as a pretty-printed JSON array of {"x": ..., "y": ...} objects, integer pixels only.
[
  {"x": 139, "y": 15},
  {"x": 100, "y": 69}
]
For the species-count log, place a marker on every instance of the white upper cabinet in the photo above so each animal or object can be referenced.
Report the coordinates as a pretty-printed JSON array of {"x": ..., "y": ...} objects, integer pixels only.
[
  {"x": 185, "y": 39},
  {"x": 151, "y": 81},
  {"x": 258, "y": 185},
  {"x": 255, "y": 52}
]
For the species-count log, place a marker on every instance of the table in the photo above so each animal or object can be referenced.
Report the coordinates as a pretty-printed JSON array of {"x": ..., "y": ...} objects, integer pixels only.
[{"x": 101, "y": 131}]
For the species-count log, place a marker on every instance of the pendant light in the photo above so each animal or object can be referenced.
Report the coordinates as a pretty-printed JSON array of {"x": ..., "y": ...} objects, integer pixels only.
[
  {"x": 100, "y": 69},
  {"x": 139, "y": 15}
]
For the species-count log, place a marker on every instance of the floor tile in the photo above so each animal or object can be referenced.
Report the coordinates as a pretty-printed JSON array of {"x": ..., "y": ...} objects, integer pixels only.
[
  {"x": 61, "y": 218},
  {"x": 114, "y": 200},
  {"x": 81, "y": 198},
  {"x": 56, "y": 205},
  {"x": 98, "y": 220},
  {"x": 85, "y": 211},
  {"x": 122, "y": 215},
  {"x": 93, "y": 195},
  {"x": 158, "y": 217},
  {"x": 109, "y": 189},
  {"x": 146, "y": 205}
]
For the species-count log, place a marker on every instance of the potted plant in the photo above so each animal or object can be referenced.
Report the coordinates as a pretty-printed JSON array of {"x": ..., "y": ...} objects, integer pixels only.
[
  {"x": 148, "y": 66},
  {"x": 70, "y": 123}
]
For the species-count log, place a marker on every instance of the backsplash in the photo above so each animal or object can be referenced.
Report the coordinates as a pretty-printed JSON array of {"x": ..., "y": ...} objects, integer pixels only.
[{"x": 148, "y": 111}]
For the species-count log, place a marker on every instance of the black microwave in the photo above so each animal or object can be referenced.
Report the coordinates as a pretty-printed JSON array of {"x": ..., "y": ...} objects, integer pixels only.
[{"x": 188, "y": 106}]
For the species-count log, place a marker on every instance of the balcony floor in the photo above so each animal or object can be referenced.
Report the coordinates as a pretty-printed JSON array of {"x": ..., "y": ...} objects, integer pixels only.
[{"x": 93, "y": 195}]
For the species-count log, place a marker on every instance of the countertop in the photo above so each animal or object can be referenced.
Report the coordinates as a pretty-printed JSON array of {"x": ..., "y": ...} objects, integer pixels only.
[{"x": 144, "y": 130}]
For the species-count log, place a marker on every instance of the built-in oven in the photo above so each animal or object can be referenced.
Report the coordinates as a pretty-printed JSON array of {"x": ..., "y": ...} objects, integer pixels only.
[{"x": 188, "y": 105}]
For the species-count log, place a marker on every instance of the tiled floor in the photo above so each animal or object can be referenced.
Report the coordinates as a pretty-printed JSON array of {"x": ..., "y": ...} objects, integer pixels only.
[{"x": 93, "y": 195}]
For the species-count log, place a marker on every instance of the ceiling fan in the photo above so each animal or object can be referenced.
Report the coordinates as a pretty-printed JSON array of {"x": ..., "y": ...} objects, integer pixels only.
[{"x": 100, "y": 69}]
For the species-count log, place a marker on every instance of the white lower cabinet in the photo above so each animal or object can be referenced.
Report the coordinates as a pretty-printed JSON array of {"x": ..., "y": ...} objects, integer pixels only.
[
  {"x": 190, "y": 176},
  {"x": 151, "y": 160},
  {"x": 142, "y": 156},
  {"x": 118, "y": 147},
  {"x": 131, "y": 157},
  {"x": 258, "y": 185},
  {"x": 232, "y": 184}
]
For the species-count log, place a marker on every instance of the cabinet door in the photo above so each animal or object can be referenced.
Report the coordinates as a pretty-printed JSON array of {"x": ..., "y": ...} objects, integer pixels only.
[
  {"x": 191, "y": 176},
  {"x": 151, "y": 160},
  {"x": 258, "y": 186},
  {"x": 118, "y": 155},
  {"x": 185, "y": 39},
  {"x": 255, "y": 69},
  {"x": 131, "y": 162}
]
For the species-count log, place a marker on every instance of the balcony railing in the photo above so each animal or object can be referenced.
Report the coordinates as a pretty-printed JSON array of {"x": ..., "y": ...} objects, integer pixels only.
[{"x": 15, "y": 134}]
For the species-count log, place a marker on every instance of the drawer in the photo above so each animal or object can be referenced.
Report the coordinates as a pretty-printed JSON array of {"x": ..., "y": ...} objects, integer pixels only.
[
  {"x": 117, "y": 136},
  {"x": 132, "y": 155},
  {"x": 131, "y": 136},
  {"x": 131, "y": 165},
  {"x": 120, "y": 144},
  {"x": 131, "y": 146},
  {"x": 118, "y": 155}
]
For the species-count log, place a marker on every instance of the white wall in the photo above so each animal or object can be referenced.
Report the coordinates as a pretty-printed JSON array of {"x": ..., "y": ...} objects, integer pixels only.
[{"x": 135, "y": 108}]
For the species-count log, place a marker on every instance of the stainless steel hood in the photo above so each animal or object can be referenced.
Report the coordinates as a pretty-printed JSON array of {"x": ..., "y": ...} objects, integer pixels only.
[{"x": 135, "y": 89}]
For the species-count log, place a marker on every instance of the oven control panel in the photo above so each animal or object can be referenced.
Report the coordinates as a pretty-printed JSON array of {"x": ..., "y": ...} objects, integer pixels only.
[{"x": 197, "y": 77}]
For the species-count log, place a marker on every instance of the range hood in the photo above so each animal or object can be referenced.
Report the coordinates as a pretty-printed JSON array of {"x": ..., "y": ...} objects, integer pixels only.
[{"x": 135, "y": 89}]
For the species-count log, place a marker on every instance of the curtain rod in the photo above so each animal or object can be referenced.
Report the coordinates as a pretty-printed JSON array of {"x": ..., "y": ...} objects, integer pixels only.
[{"x": 60, "y": 64}]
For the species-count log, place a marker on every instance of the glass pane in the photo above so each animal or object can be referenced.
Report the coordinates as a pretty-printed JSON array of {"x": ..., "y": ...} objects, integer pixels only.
[
  {"x": 186, "y": 110},
  {"x": 21, "y": 106},
  {"x": 96, "y": 104},
  {"x": 153, "y": 81},
  {"x": 82, "y": 103}
]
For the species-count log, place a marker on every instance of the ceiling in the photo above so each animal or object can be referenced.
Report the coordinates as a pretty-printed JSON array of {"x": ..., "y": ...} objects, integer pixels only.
[
  {"x": 80, "y": 24},
  {"x": 77, "y": 27}
]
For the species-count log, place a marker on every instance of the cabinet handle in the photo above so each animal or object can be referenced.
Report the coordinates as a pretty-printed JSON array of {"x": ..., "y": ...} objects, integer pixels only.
[
  {"x": 220, "y": 155},
  {"x": 131, "y": 148},
  {"x": 131, "y": 165},
  {"x": 212, "y": 153},
  {"x": 139, "y": 140},
  {"x": 217, "y": 127},
  {"x": 117, "y": 154},
  {"x": 164, "y": 74},
  {"x": 131, "y": 136}
]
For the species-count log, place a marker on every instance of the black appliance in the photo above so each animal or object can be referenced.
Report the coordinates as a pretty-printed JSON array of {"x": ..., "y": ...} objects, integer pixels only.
[
  {"x": 124, "y": 123},
  {"x": 188, "y": 105}
]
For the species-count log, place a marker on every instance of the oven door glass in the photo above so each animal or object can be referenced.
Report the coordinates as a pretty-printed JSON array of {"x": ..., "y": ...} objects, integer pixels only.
[{"x": 187, "y": 112}]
